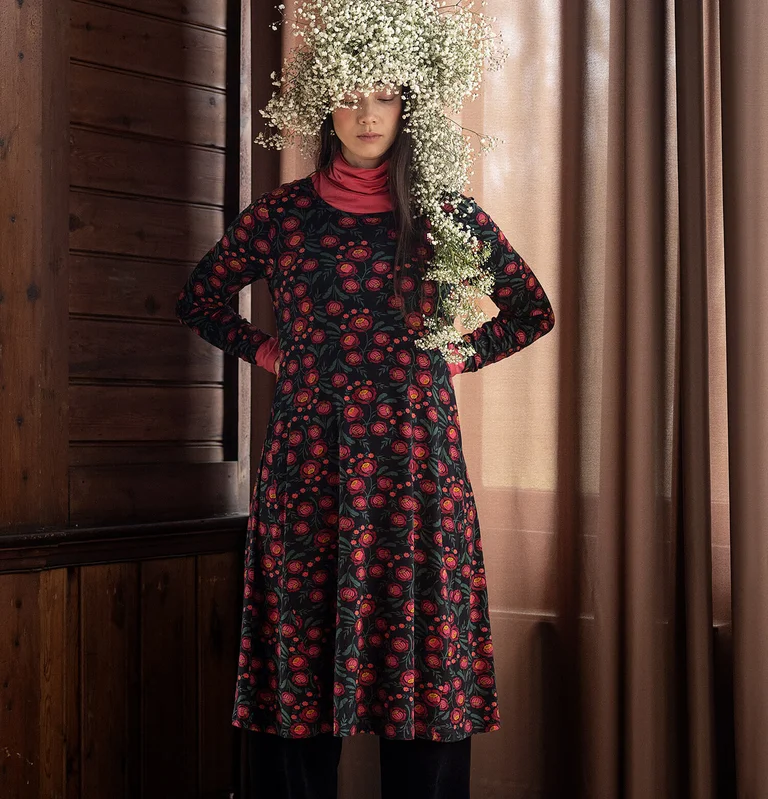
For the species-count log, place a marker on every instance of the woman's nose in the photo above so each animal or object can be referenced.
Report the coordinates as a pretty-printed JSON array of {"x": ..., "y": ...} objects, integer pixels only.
[{"x": 366, "y": 113}]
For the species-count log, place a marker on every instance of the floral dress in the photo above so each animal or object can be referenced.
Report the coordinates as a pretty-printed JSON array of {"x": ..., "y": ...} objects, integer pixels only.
[{"x": 365, "y": 609}]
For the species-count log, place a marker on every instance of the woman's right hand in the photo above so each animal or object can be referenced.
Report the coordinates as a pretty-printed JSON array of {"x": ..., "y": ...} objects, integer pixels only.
[{"x": 268, "y": 355}]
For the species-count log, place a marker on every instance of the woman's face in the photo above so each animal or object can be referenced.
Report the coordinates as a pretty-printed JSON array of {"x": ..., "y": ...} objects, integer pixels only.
[{"x": 377, "y": 113}]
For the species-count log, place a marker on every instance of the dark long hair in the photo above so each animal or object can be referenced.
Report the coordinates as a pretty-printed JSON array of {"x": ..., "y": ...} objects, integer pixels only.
[{"x": 411, "y": 250}]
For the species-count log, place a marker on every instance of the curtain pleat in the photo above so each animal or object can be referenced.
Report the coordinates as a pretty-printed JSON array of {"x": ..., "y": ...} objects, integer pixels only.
[
  {"x": 693, "y": 552},
  {"x": 632, "y": 615},
  {"x": 745, "y": 185},
  {"x": 566, "y": 766}
]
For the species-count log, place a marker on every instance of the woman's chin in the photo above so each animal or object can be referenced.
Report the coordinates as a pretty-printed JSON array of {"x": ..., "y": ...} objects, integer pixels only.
[{"x": 369, "y": 151}]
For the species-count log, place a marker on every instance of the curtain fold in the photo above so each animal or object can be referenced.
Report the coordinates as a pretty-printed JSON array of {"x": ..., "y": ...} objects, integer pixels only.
[
  {"x": 568, "y": 750},
  {"x": 632, "y": 748},
  {"x": 745, "y": 186},
  {"x": 610, "y": 462},
  {"x": 693, "y": 554}
]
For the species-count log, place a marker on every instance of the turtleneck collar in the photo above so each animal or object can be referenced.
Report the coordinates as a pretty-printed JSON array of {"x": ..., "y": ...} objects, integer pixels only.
[{"x": 354, "y": 189}]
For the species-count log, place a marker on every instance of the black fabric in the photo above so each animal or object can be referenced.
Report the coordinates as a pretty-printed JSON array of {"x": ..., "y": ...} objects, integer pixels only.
[
  {"x": 423, "y": 769},
  {"x": 307, "y": 768},
  {"x": 293, "y": 768}
]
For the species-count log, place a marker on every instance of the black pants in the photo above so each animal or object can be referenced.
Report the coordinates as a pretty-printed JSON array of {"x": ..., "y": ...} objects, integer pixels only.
[{"x": 306, "y": 768}]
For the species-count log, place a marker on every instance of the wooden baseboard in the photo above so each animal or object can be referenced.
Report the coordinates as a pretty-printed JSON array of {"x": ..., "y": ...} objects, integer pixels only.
[{"x": 41, "y": 549}]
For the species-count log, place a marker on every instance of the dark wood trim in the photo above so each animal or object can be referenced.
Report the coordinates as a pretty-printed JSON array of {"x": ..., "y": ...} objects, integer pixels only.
[
  {"x": 53, "y": 548},
  {"x": 34, "y": 263}
]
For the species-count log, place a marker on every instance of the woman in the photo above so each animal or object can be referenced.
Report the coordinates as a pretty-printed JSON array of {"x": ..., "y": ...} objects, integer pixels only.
[{"x": 365, "y": 605}]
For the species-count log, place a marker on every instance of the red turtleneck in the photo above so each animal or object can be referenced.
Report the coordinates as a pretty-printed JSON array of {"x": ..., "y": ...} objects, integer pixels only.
[{"x": 355, "y": 189}]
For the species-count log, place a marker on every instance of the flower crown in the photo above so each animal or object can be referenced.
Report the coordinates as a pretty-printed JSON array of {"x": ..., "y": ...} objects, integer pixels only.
[{"x": 437, "y": 49}]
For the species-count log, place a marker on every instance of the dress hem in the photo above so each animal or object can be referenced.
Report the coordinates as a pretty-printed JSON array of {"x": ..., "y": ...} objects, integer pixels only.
[{"x": 491, "y": 727}]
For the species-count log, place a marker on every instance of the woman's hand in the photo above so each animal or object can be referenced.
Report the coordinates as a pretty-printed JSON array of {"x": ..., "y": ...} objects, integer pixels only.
[
  {"x": 277, "y": 364},
  {"x": 454, "y": 368}
]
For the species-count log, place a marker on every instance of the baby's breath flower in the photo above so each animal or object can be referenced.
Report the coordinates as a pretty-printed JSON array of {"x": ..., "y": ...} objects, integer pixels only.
[{"x": 437, "y": 48}]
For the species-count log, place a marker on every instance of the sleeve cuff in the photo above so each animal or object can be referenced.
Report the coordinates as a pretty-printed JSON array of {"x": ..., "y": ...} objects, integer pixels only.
[{"x": 267, "y": 353}]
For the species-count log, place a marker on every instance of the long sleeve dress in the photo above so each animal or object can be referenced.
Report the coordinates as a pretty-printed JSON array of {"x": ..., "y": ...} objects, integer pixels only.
[{"x": 365, "y": 608}]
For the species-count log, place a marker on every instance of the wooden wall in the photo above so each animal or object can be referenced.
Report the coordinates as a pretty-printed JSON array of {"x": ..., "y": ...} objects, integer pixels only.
[
  {"x": 149, "y": 143},
  {"x": 125, "y": 474},
  {"x": 117, "y": 680}
]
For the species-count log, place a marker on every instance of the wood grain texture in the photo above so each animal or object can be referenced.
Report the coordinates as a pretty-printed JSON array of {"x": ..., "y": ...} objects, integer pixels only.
[
  {"x": 88, "y": 654},
  {"x": 211, "y": 13},
  {"x": 33, "y": 262},
  {"x": 111, "y": 677},
  {"x": 220, "y": 583},
  {"x": 52, "y": 613},
  {"x": 111, "y": 720},
  {"x": 169, "y": 701},
  {"x": 107, "y": 671},
  {"x": 143, "y": 228},
  {"x": 152, "y": 406},
  {"x": 72, "y": 658},
  {"x": 116, "y": 38},
  {"x": 19, "y": 686},
  {"x": 114, "y": 100},
  {"x": 136, "y": 452},
  {"x": 102, "y": 349},
  {"x": 154, "y": 492},
  {"x": 86, "y": 545},
  {"x": 103, "y": 285},
  {"x": 132, "y": 165},
  {"x": 145, "y": 413}
]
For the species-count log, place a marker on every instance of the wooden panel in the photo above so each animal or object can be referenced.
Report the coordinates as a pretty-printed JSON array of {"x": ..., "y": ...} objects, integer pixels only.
[
  {"x": 33, "y": 262},
  {"x": 125, "y": 700},
  {"x": 112, "y": 100},
  {"x": 94, "y": 454},
  {"x": 111, "y": 681},
  {"x": 212, "y": 13},
  {"x": 19, "y": 690},
  {"x": 87, "y": 545},
  {"x": 105, "y": 671},
  {"x": 152, "y": 492},
  {"x": 145, "y": 452},
  {"x": 114, "y": 38},
  {"x": 103, "y": 349},
  {"x": 145, "y": 413},
  {"x": 220, "y": 594},
  {"x": 52, "y": 612},
  {"x": 148, "y": 229},
  {"x": 72, "y": 657},
  {"x": 131, "y": 165},
  {"x": 169, "y": 733},
  {"x": 108, "y": 286}
]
